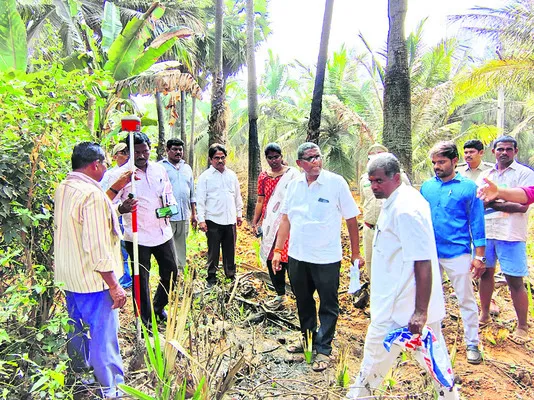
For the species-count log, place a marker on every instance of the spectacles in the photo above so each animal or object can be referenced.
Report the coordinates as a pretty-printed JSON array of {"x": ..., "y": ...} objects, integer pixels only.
[
  {"x": 104, "y": 163},
  {"x": 276, "y": 157},
  {"x": 312, "y": 158}
]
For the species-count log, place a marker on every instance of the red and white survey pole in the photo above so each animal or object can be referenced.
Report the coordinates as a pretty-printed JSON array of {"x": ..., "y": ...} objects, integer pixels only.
[{"x": 131, "y": 125}]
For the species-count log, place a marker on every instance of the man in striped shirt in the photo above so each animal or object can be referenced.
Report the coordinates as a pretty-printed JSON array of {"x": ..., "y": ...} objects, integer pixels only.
[{"x": 88, "y": 263}]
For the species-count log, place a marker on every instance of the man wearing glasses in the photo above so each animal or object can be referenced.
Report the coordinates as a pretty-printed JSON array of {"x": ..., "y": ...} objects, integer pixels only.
[
  {"x": 312, "y": 210},
  {"x": 506, "y": 234},
  {"x": 181, "y": 178},
  {"x": 219, "y": 209}
]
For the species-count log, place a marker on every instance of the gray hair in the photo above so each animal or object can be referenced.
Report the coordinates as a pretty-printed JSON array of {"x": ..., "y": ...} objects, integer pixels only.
[
  {"x": 386, "y": 161},
  {"x": 306, "y": 146}
]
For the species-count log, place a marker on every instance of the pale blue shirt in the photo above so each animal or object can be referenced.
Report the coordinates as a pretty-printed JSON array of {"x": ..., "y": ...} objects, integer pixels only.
[{"x": 183, "y": 187}]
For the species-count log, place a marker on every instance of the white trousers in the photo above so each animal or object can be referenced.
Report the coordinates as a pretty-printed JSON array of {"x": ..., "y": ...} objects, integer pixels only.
[
  {"x": 377, "y": 361},
  {"x": 457, "y": 270},
  {"x": 368, "y": 236}
]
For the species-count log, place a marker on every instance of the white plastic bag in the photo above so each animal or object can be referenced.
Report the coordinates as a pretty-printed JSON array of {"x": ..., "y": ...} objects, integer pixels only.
[{"x": 354, "y": 284}]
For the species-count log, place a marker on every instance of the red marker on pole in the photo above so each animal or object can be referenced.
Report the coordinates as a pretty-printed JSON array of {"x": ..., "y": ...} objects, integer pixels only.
[{"x": 131, "y": 125}]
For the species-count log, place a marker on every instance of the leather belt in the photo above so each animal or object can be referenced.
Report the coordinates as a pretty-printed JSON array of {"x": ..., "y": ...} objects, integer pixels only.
[{"x": 370, "y": 226}]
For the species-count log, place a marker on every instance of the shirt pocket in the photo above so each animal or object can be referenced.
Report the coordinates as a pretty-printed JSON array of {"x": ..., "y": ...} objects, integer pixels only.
[
  {"x": 386, "y": 248},
  {"x": 454, "y": 205},
  {"x": 322, "y": 209}
]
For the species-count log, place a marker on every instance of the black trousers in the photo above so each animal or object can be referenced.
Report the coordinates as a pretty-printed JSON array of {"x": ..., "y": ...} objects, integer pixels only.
[
  {"x": 305, "y": 279},
  {"x": 166, "y": 258},
  {"x": 278, "y": 279},
  {"x": 220, "y": 236}
]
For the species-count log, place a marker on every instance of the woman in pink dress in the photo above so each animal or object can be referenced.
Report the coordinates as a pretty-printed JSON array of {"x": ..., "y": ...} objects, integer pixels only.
[{"x": 272, "y": 185}]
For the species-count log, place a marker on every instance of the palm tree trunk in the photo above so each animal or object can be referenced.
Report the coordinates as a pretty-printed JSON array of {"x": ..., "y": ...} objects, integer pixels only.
[
  {"x": 252, "y": 89},
  {"x": 217, "y": 123},
  {"x": 316, "y": 107},
  {"x": 192, "y": 137},
  {"x": 161, "y": 126},
  {"x": 183, "y": 134},
  {"x": 397, "y": 134}
]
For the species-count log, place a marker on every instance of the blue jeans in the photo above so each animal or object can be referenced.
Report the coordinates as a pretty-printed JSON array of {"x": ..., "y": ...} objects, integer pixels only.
[
  {"x": 126, "y": 279},
  {"x": 101, "y": 350}
]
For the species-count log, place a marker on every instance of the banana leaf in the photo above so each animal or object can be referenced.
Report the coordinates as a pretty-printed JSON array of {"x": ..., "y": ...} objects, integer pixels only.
[
  {"x": 129, "y": 45},
  {"x": 111, "y": 25},
  {"x": 13, "y": 48},
  {"x": 158, "y": 47}
]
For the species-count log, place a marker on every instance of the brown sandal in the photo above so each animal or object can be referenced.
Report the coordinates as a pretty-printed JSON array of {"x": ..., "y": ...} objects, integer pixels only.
[{"x": 321, "y": 362}]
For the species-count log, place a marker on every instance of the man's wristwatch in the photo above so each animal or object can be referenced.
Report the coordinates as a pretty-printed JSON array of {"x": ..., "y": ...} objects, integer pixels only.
[{"x": 480, "y": 258}]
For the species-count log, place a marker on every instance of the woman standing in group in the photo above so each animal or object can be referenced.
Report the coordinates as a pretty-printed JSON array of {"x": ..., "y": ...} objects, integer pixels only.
[{"x": 272, "y": 185}]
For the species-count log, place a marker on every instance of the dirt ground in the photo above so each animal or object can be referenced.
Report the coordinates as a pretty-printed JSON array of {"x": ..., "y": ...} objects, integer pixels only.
[{"x": 231, "y": 327}]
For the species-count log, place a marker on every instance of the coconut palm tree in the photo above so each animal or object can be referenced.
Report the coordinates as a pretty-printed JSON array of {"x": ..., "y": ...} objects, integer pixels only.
[
  {"x": 217, "y": 121},
  {"x": 317, "y": 98},
  {"x": 397, "y": 134},
  {"x": 510, "y": 29},
  {"x": 254, "y": 163}
]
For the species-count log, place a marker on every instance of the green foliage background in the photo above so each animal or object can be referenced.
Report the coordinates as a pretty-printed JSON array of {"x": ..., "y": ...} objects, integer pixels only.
[{"x": 43, "y": 115}]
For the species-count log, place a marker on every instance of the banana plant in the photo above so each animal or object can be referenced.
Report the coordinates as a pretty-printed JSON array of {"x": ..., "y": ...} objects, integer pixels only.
[
  {"x": 122, "y": 50},
  {"x": 127, "y": 55}
]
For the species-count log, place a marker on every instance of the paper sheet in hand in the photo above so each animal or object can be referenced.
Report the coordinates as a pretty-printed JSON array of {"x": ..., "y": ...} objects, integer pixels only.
[{"x": 354, "y": 284}]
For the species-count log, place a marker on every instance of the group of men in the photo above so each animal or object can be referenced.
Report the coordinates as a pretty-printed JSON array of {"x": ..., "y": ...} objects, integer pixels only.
[
  {"x": 413, "y": 238},
  {"x": 87, "y": 243},
  {"x": 448, "y": 227}
]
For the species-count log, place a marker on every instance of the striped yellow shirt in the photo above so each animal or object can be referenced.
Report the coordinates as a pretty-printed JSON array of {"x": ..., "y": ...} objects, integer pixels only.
[{"x": 86, "y": 238}]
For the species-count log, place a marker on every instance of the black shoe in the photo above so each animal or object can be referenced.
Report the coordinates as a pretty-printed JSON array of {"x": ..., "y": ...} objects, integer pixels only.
[
  {"x": 473, "y": 355},
  {"x": 210, "y": 284},
  {"x": 361, "y": 297},
  {"x": 161, "y": 316}
]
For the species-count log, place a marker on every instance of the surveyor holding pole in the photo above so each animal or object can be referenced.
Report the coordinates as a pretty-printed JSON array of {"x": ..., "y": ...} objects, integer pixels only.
[{"x": 154, "y": 195}]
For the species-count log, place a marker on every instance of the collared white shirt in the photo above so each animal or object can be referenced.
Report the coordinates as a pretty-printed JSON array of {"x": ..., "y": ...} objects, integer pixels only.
[
  {"x": 219, "y": 197},
  {"x": 314, "y": 213},
  {"x": 183, "y": 187},
  {"x": 404, "y": 234},
  {"x": 500, "y": 225},
  {"x": 153, "y": 190}
]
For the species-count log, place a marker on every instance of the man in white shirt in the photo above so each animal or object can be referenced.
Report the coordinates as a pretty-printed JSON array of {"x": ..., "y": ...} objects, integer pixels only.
[
  {"x": 219, "y": 209},
  {"x": 506, "y": 234},
  {"x": 311, "y": 215},
  {"x": 405, "y": 280}
]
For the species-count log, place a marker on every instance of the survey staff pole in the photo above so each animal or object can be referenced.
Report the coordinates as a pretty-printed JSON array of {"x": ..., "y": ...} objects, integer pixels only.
[{"x": 131, "y": 125}]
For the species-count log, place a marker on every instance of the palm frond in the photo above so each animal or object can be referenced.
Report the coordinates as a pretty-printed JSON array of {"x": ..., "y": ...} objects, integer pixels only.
[{"x": 511, "y": 25}]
